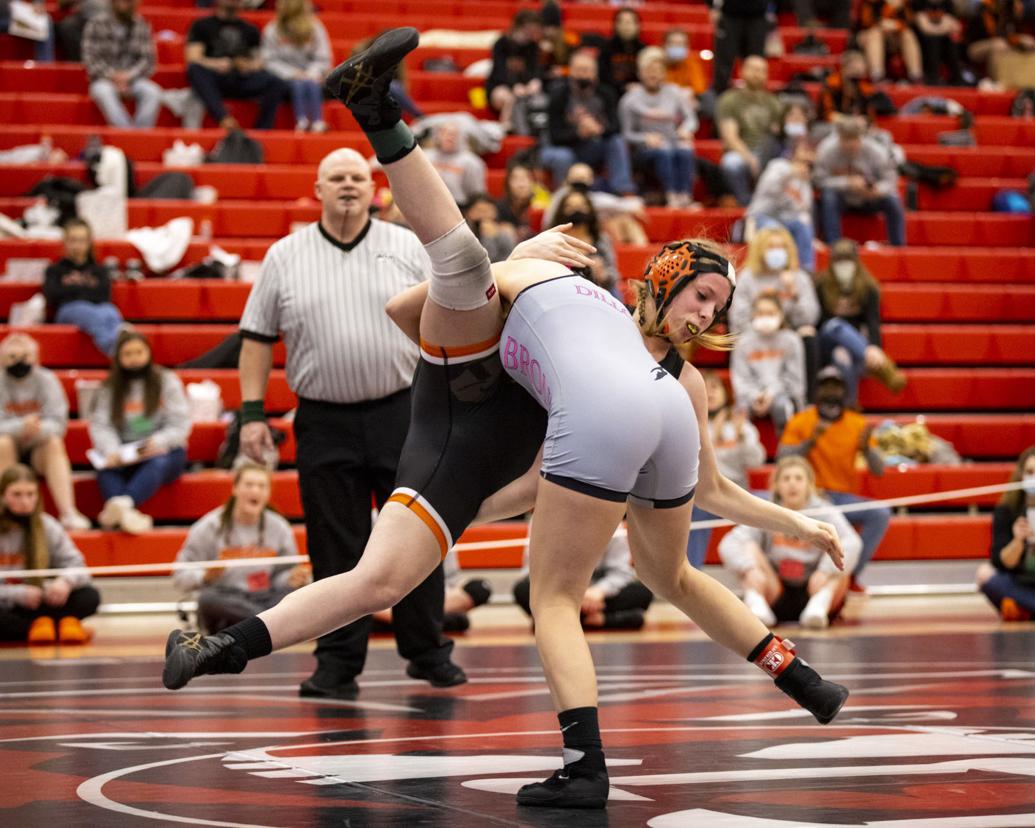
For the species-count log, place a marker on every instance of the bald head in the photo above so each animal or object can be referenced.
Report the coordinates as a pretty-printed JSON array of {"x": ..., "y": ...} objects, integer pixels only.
[
  {"x": 345, "y": 187},
  {"x": 344, "y": 155}
]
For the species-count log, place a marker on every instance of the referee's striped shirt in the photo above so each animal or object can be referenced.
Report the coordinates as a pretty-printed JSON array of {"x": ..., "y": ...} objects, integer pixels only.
[{"x": 327, "y": 300}]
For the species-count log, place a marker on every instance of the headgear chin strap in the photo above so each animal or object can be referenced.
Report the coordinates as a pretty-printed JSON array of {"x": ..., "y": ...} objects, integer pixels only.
[{"x": 676, "y": 265}]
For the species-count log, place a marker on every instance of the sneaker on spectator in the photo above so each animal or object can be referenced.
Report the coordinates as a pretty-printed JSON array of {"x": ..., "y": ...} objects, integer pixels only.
[
  {"x": 136, "y": 522},
  {"x": 1011, "y": 611},
  {"x": 75, "y": 521},
  {"x": 42, "y": 631},
  {"x": 759, "y": 608},
  {"x": 71, "y": 631},
  {"x": 114, "y": 510},
  {"x": 856, "y": 587}
]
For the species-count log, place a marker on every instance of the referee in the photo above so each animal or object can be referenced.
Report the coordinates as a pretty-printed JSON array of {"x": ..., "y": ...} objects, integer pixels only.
[{"x": 324, "y": 288}]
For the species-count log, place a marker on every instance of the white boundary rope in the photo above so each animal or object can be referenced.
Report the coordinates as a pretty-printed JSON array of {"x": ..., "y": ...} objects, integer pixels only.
[{"x": 506, "y": 543}]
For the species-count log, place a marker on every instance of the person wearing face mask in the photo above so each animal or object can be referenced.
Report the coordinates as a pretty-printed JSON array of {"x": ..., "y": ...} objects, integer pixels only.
[
  {"x": 767, "y": 366},
  {"x": 783, "y": 197},
  {"x": 783, "y": 578},
  {"x": 618, "y": 57},
  {"x": 33, "y": 421},
  {"x": 139, "y": 425},
  {"x": 830, "y": 435},
  {"x": 36, "y": 610},
  {"x": 683, "y": 66},
  {"x": 483, "y": 217},
  {"x": 576, "y": 209},
  {"x": 516, "y": 74},
  {"x": 849, "y": 326},
  {"x": 620, "y": 216},
  {"x": 1008, "y": 580}
]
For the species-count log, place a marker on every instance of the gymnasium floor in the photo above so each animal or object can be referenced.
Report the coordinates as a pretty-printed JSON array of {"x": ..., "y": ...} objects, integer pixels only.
[{"x": 939, "y": 732}]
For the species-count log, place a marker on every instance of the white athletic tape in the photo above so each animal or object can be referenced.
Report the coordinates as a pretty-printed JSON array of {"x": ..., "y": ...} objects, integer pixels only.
[{"x": 506, "y": 543}]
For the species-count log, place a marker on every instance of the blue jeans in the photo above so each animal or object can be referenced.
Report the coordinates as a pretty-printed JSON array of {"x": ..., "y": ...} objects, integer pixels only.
[
  {"x": 674, "y": 166},
  {"x": 697, "y": 546},
  {"x": 842, "y": 344},
  {"x": 804, "y": 236},
  {"x": 307, "y": 100},
  {"x": 146, "y": 93},
  {"x": 142, "y": 480},
  {"x": 738, "y": 176},
  {"x": 406, "y": 103},
  {"x": 870, "y": 523},
  {"x": 610, "y": 152},
  {"x": 1003, "y": 585},
  {"x": 832, "y": 207},
  {"x": 100, "y": 321}
]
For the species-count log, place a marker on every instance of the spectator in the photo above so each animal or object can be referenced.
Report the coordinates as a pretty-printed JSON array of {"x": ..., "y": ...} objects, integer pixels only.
[
  {"x": 659, "y": 124},
  {"x": 223, "y": 61},
  {"x": 119, "y": 56},
  {"x": 33, "y": 421},
  {"x": 741, "y": 29},
  {"x": 737, "y": 449},
  {"x": 830, "y": 436},
  {"x": 243, "y": 527},
  {"x": 556, "y": 44},
  {"x": 849, "y": 330},
  {"x": 515, "y": 73},
  {"x": 683, "y": 66},
  {"x": 39, "y": 611},
  {"x": 846, "y": 90},
  {"x": 69, "y": 30},
  {"x": 748, "y": 119},
  {"x": 78, "y": 289},
  {"x": 584, "y": 127},
  {"x": 296, "y": 48},
  {"x": 1008, "y": 581},
  {"x": 767, "y": 367},
  {"x": 620, "y": 216},
  {"x": 43, "y": 48},
  {"x": 783, "y": 198},
  {"x": 854, "y": 172},
  {"x": 937, "y": 31},
  {"x": 139, "y": 424},
  {"x": 614, "y": 599},
  {"x": 520, "y": 194},
  {"x": 577, "y": 209},
  {"x": 618, "y": 58},
  {"x": 883, "y": 26},
  {"x": 838, "y": 13},
  {"x": 483, "y": 216},
  {"x": 996, "y": 29},
  {"x": 462, "y": 171},
  {"x": 784, "y": 578}
]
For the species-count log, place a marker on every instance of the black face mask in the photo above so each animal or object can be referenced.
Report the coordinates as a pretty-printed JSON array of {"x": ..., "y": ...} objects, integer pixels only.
[
  {"x": 136, "y": 373},
  {"x": 585, "y": 84},
  {"x": 21, "y": 520},
  {"x": 830, "y": 410},
  {"x": 19, "y": 369},
  {"x": 578, "y": 217},
  {"x": 712, "y": 412}
]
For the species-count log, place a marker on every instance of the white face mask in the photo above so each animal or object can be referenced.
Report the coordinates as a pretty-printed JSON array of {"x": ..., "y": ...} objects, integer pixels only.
[
  {"x": 844, "y": 272},
  {"x": 795, "y": 129},
  {"x": 1028, "y": 481},
  {"x": 775, "y": 258},
  {"x": 766, "y": 324}
]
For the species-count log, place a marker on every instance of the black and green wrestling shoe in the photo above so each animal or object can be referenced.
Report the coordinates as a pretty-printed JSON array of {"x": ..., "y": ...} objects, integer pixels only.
[
  {"x": 823, "y": 699},
  {"x": 362, "y": 82},
  {"x": 189, "y": 654},
  {"x": 566, "y": 791}
]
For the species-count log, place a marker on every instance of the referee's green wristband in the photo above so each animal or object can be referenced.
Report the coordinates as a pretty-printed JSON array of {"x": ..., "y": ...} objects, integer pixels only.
[{"x": 252, "y": 412}]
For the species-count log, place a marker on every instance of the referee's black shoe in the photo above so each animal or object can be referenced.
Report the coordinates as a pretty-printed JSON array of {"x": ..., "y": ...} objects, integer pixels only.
[
  {"x": 823, "y": 699},
  {"x": 189, "y": 654},
  {"x": 362, "y": 81},
  {"x": 565, "y": 791},
  {"x": 442, "y": 674}
]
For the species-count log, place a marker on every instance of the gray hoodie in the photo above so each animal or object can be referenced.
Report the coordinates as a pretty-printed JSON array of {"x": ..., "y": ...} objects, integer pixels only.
[
  {"x": 40, "y": 393},
  {"x": 169, "y": 426},
  {"x": 803, "y": 309},
  {"x": 62, "y": 552},
  {"x": 773, "y": 363}
]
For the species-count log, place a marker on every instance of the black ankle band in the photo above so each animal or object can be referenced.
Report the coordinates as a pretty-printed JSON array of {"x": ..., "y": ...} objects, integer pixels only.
[
  {"x": 253, "y": 635},
  {"x": 755, "y": 653}
]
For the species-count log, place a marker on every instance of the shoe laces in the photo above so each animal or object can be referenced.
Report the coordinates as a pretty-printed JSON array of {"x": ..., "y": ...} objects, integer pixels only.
[{"x": 191, "y": 641}]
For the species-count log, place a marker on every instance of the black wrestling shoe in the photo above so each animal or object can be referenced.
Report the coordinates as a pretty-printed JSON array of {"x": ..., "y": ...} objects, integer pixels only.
[
  {"x": 443, "y": 674},
  {"x": 362, "y": 81},
  {"x": 190, "y": 654},
  {"x": 564, "y": 791},
  {"x": 823, "y": 699}
]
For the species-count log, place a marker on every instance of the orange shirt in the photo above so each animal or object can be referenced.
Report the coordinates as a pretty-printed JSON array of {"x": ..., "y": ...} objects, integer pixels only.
[
  {"x": 688, "y": 73},
  {"x": 833, "y": 454}
]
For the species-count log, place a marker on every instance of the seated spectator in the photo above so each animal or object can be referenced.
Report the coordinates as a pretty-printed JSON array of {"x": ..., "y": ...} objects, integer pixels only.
[
  {"x": 243, "y": 527},
  {"x": 748, "y": 119},
  {"x": 463, "y": 172},
  {"x": 737, "y": 449},
  {"x": 139, "y": 424},
  {"x": 767, "y": 366},
  {"x": 614, "y": 599},
  {"x": 997, "y": 28},
  {"x": 577, "y": 210},
  {"x": 846, "y": 90},
  {"x": 296, "y": 48},
  {"x": 78, "y": 289},
  {"x": 1008, "y": 580},
  {"x": 783, "y": 198},
  {"x": 659, "y": 124},
  {"x": 849, "y": 326},
  {"x": 516, "y": 73},
  {"x": 620, "y": 216},
  {"x": 39, "y": 611},
  {"x": 783, "y": 578},
  {"x": 830, "y": 436},
  {"x": 618, "y": 58},
  {"x": 683, "y": 66},
  {"x": 520, "y": 194},
  {"x": 886, "y": 26},
  {"x": 937, "y": 31},
  {"x": 43, "y": 47},
  {"x": 33, "y": 422},
  {"x": 854, "y": 172},
  {"x": 69, "y": 29},
  {"x": 222, "y": 56},
  {"x": 119, "y": 56},
  {"x": 482, "y": 215},
  {"x": 584, "y": 127}
]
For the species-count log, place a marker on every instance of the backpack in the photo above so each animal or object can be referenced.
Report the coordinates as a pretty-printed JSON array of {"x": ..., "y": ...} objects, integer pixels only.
[
  {"x": 60, "y": 193},
  {"x": 236, "y": 148},
  {"x": 176, "y": 185}
]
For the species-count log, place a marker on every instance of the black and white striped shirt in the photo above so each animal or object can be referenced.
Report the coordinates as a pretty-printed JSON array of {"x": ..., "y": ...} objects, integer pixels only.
[{"x": 327, "y": 299}]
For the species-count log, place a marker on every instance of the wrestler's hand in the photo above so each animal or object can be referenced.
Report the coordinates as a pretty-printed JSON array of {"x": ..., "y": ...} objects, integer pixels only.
[
  {"x": 824, "y": 537},
  {"x": 256, "y": 440},
  {"x": 556, "y": 246}
]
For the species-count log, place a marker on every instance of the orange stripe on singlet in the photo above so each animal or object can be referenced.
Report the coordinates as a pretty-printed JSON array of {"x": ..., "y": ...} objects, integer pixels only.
[
  {"x": 410, "y": 502},
  {"x": 458, "y": 351}
]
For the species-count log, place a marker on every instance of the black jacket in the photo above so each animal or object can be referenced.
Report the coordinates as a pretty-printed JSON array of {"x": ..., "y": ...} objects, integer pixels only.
[
  {"x": 68, "y": 282},
  {"x": 562, "y": 131}
]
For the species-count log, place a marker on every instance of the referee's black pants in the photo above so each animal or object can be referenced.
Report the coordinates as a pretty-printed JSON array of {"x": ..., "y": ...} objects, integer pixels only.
[{"x": 346, "y": 452}]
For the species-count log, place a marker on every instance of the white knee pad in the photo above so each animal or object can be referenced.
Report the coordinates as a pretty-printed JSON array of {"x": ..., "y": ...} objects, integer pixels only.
[{"x": 460, "y": 275}]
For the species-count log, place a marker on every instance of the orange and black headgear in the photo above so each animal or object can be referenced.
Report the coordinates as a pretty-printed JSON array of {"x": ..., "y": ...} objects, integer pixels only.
[{"x": 676, "y": 265}]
